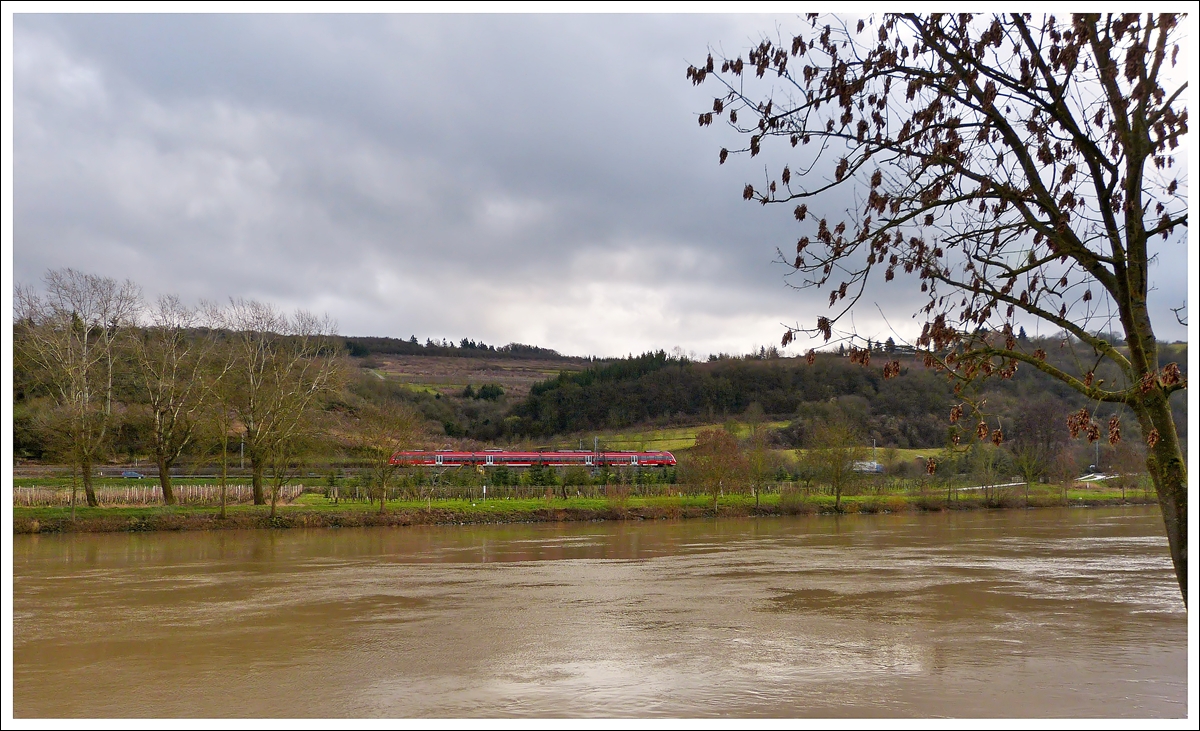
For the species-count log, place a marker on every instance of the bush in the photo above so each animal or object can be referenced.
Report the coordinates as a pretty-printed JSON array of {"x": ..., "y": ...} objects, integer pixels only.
[
  {"x": 489, "y": 392},
  {"x": 871, "y": 506},
  {"x": 617, "y": 494},
  {"x": 930, "y": 502},
  {"x": 792, "y": 502}
]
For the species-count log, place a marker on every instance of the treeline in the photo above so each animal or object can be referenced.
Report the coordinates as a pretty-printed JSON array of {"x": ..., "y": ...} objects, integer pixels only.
[{"x": 361, "y": 347}]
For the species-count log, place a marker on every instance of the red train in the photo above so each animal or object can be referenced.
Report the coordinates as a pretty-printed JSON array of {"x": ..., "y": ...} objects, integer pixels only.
[{"x": 497, "y": 457}]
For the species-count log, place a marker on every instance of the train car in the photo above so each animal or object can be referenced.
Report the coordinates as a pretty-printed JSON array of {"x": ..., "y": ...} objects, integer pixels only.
[{"x": 497, "y": 457}]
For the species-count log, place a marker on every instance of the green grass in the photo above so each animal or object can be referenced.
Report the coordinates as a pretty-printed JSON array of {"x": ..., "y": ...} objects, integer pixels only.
[
  {"x": 498, "y": 505},
  {"x": 422, "y": 388},
  {"x": 674, "y": 438},
  {"x": 519, "y": 509}
]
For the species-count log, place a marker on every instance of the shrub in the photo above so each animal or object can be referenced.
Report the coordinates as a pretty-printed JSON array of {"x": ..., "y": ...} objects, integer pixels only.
[{"x": 792, "y": 502}]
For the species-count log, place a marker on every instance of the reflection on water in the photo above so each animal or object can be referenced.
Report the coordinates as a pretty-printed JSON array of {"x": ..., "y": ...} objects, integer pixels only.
[{"x": 1017, "y": 613}]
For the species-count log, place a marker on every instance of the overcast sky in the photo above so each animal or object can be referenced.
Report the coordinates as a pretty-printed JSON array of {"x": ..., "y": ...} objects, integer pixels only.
[{"x": 513, "y": 178}]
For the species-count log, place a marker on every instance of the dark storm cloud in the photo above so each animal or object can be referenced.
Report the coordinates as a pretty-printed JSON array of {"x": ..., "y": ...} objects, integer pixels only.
[{"x": 528, "y": 178}]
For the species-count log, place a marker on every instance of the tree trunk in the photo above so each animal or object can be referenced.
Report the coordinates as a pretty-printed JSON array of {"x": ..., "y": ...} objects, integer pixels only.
[
  {"x": 274, "y": 496},
  {"x": 837, "y": 498},
  {"x": 164, "y": 479},
  {"x": 1165, "y": 463},
  {"x": 86, "y": 470},
  {"x": 256, "y": 479}
]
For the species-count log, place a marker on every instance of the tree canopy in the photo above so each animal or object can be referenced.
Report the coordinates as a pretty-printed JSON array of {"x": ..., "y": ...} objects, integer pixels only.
[{"x": 1015, "y": 168}]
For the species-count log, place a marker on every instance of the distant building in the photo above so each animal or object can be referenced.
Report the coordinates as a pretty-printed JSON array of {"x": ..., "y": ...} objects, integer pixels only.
[{"x": 867, "y": 466}]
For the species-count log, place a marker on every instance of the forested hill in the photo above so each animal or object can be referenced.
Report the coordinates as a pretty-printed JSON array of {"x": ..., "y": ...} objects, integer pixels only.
[
  {"x": 656, "y": 388},
  {"x": 910, "y": 410}
]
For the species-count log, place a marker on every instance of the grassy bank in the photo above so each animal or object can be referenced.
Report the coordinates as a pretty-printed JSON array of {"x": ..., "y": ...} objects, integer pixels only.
[{"x": 317, "y": 511}]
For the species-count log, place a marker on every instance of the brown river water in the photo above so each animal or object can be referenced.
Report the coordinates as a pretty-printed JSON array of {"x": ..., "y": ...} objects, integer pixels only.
[{"x": 1071, "y": 612}]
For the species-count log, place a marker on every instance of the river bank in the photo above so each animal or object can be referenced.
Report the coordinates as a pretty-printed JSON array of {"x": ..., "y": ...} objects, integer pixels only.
[{"x": 320, "y": 513}]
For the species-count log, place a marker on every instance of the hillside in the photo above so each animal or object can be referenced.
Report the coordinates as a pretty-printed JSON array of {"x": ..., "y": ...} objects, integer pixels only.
[
  {"x": 480, "y": 395},
  {"x": 652, "y": 392}
]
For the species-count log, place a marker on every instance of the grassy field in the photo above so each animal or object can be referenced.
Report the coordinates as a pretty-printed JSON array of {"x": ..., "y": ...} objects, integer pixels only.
[
  {"x": 671, "y": 438},
  {"x": 416, "y": 387},
  {"x": 678, "y": 438},
  {"x": 683, "y": 438},
  {"x": 792, "y": 456},
  {"x": 315, "y": 510}
]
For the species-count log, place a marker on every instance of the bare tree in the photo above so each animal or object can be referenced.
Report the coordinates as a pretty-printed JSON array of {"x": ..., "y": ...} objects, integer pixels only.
[
  {"x": 836, "y": 447},
  {"x": 218, "y": 415},
  {"x": 1128, "y": 462},
  {"x": 715, "y": 463},
  {"x": 383, "y": 430},
  {"x": 70, "y": 334},
  {"x": 219, "y": 426},
  {"x": 1016, "y": 167},
  {"x": 985, "y": 468},
  {"x": 1064, "y": 469},
  {"x": 281, "y": 367},
  {"x": 174, "y": 372},
  {"x": 759, "y": 460},
  {"x": 288, "y": 453},
  {"x": 1032, "y": 461}
]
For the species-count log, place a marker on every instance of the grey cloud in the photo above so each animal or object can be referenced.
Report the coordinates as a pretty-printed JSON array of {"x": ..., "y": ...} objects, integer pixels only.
[{"x": 530, "y": 178}]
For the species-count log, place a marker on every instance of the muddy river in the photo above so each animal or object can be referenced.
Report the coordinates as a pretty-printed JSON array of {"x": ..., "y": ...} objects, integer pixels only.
[{"x": 1070, "y": 612}]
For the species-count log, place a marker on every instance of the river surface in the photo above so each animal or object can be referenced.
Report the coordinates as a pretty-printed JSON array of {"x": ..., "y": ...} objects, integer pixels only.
[{"x": 1071, "y": 612}]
